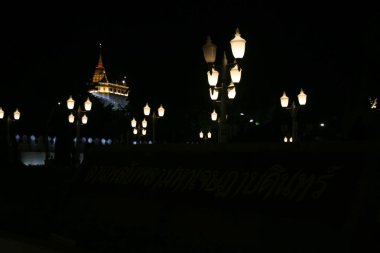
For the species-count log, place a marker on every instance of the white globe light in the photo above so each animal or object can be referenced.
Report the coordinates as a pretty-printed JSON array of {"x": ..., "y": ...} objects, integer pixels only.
[
  {"x": 238, "y": 45},
  {"x": 284, "y": 100}
]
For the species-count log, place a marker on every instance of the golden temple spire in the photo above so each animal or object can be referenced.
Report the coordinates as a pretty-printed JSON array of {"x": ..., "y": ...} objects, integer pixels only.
[
  {"x": 100, "y": 62},
  {"x": 100, "y": 72}
]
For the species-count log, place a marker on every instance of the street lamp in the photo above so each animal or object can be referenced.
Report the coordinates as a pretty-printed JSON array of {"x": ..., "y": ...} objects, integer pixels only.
[
  {"x": 81, "y": 119},
  {"x": 224, "y": 87},
  {"x": 293, "y": 109},
  {"x": 139, "y": 129},
  {"x": 160, "y": 114},
  {"x": 9, "y": 120},
  {"x": 204, "y": 136}
]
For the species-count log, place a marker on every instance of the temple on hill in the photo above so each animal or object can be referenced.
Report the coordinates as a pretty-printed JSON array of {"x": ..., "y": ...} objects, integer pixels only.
[{"x": 109, "y": 93}]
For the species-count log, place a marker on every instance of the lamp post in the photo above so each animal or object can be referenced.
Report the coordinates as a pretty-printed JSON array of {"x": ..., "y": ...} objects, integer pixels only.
[
  {"x": 160, "y": 114},
  {"x": 81, "y": 118},
  {"x": 204, "y": 136},
  {"x": 139, "y": 129},
  {"x": 225, "y": 83},
  {"x": 293, "y": 109},
  {"x": 9, "y": 120}
]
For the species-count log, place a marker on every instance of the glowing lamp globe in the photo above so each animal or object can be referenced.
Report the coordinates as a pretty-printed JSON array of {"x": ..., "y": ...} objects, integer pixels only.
[
  {"x": 133, "y": 123},
  {"x": 238, "y": 45},
  {"x": 284, "y": 100},
  {"x": 146, "y": 110},
  {"x": 302, "y": 98},
  {"x": 212, "y": 77},
  {"x": 71, "y": 118},
  {"x": 214, "y": 93},
  {"x": 201, "y": 134},
  {"x": 214, "y": 116},
  {"x": 1, "y": 113},
  {"x": 235, "y": 74},
  {"x": 209, "y": 134},
  {"x": 16, "y": 115},
  {"x": 84, "y": 119},
  {"x": 144, "y": 123},
  {"x": 87, "y": 105},
  {"x": 231, "y": 91},
  {"x": 161, "y": 111},
  {"x": 70, "y": 103}
]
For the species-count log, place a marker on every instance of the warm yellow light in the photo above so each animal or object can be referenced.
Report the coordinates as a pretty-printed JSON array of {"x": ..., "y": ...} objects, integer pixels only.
[
  {"x": 302, "y": 98},
  {"x": 87, "y": 105},
  {"x": 16, "y": 115},
  {"x": 1, "y": 113},
  {"x": 144, "y": 123},
  {"x": 214, "y": 93},
  {"x": 284, "y": 100},
  {"x": 290, "y": 139},
  {"x": 238, "y": 45},
  {"x": 214, "y": 116},
  {"x": 71, "y": 118},
  {"x": 212, "y": 77},
  {"x": 235, "y": 74},
  {"x": 84, "y": 119},
  {"x": 143, "y": 131},
  {"x": 201, "y": 134},
  {"x": 209, "y": 135},
  {"x": 70, "y": 103},
  {"x": 146, "y": 110},
  {"x": 134, "y": 131},
  {"x": 209, "y": 51},
  {"x": 231, "y": 91},
  {"x": 133, "y": 123},
  {"x": 285, "y": 139},
  {"x": 161, "y": 111}
]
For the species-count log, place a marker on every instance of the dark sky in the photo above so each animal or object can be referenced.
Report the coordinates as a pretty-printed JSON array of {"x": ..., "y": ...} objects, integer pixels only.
[{"x": 329, "y": 50}]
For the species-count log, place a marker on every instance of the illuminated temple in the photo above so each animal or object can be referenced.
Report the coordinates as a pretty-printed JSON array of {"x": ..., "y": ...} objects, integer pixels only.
[{"x": 114, "y": 94}]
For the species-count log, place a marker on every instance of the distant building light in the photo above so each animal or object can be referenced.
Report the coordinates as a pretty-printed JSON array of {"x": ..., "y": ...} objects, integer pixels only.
[
  {"x": 322, "y": 124},
  {"x": 242, "y": 114},
  {"x": 251, "y": 121},
  {"x": 257, "y": 123}
]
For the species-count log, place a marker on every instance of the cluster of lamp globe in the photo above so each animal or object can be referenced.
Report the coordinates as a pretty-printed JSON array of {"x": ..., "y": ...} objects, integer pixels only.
[
  {"x": 209, "y": 53},
  {"x": 87, "y": 107},
  {"x": 302, "y": 97},
  {"x": 16, "y": 114},
  {"x": 144, "y": 123},
  {"x": 205, "y": 136}
]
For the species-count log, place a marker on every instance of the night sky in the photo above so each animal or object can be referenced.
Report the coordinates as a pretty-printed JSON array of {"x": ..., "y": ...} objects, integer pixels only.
[{"x": 329, "y": 50}]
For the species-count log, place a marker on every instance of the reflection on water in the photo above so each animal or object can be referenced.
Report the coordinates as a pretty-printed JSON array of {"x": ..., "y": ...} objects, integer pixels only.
[{"x": 37, "y": 158}]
